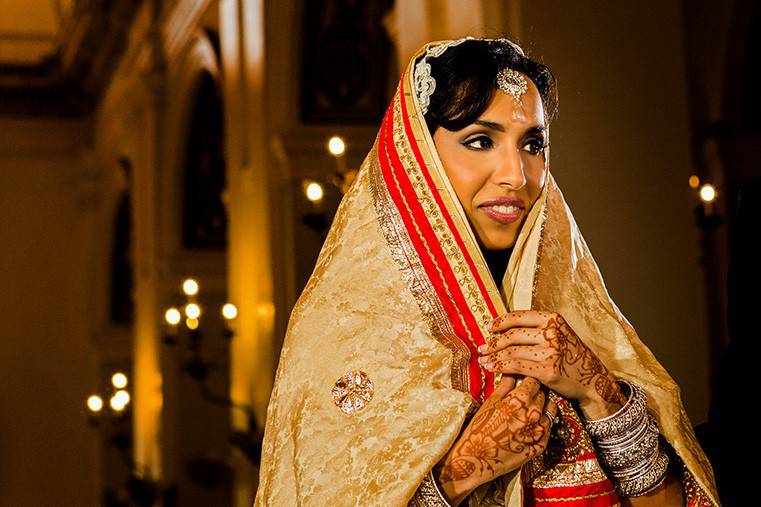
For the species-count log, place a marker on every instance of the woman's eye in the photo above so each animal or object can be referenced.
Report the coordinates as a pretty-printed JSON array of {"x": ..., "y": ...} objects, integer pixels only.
[
  {"x": 479, "y": 143},
  {"x": 536, "y": 146}
]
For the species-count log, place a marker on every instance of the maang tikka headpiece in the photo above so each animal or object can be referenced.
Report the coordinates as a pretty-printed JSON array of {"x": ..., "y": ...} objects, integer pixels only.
[
  {"x": 508, "y": 80},
  {"x": 515, "y": 84}
]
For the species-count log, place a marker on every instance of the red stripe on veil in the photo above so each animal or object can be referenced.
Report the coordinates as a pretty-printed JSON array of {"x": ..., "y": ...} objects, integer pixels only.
[{"x": 427, "y": 246}]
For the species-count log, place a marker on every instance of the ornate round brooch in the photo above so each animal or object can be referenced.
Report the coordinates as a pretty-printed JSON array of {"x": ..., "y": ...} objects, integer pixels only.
[{"x": 353, "y": 391}]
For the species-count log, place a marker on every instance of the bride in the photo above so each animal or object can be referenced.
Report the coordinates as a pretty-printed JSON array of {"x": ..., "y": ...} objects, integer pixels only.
[{"x": 455, "y": 342}]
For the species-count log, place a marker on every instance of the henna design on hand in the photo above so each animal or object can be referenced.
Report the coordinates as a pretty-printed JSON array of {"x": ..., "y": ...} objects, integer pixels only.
[
  {"x": 570, "y": 350},
  {"x": 509, "y": 426}
]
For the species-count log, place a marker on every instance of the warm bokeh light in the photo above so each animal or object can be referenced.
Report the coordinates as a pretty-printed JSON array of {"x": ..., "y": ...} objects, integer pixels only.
[
  {"x": 122, "y": 396},
  {"x": 192, "y": 311},
  {"x": 95, "y": 403},
  {"x": 229, "y": 311},
  {"x": 117, "y": 403},
  {"x": 119, "y": 380},
  {"x": 191, "y": 323},
  {"x": 172, "y": 316},
  {"x": 694, "y": 182},
  {"x": 190, "y": 287},
  {"x": 707, "y": 193},
  {"x": 314, "y": 191},
  {"x": 336, "y": 146},
  {"x": 265, "y": 310}
]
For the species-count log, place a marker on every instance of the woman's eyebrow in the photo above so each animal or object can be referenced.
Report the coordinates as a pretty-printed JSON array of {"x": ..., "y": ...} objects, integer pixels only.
[
  {"x": 536, "y": 129},
  {"x": 490, "y": 125}
]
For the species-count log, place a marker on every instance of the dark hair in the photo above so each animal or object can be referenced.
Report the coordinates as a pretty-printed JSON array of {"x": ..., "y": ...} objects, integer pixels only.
[{"x": 466, "y": 79}]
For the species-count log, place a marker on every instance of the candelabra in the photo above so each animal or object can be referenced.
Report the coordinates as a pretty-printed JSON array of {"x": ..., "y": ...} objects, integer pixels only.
[
  {"x": 183, "y": 323},
  {"x": 114, "y": 421}
]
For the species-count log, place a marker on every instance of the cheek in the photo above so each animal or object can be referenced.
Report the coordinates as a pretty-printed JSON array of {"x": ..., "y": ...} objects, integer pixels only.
[
  {"x": 466, "y": 182},
  {"x": 535, "y": 180}
]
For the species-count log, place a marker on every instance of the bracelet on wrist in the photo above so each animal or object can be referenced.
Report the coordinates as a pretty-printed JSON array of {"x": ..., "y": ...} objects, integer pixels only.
[
  {"x": 628, "y": 447},
  {"x": 429, "y": 493}
]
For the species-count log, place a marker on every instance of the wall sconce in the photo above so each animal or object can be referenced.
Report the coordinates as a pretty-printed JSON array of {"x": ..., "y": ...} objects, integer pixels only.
[
  {"x": 114, "y": 422},
  {"x": 336, "y": 146},
  {"x": 95, "y": 404},
  {"x": 190, "y": 287},
  {"x": 341, "y": 179},
  {"x": 118, "y": 397},
  {"x": 313, "y": 191},
  {"x": 708, "y": 194},
  {"x": 705, "y": 212}
]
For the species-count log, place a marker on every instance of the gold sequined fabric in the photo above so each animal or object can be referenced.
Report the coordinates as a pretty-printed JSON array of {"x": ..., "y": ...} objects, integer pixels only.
[{"x": 368, "y": 308}]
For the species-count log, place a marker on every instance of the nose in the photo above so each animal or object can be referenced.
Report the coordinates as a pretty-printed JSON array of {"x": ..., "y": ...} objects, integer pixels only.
[{"x": 508, "y": 170}]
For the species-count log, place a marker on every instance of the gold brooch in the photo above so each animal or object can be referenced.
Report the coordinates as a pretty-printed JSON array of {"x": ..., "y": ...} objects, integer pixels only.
[{"x": 353, "y": 391}]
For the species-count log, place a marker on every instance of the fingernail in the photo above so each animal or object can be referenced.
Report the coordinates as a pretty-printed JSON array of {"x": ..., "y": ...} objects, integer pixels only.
[
  {"x": 488, "y": 366},
  {"x": 483, "y": 348}
]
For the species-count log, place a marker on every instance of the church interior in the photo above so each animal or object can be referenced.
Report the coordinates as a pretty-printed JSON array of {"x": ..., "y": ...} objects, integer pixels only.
[{"x": 169, "y": 170}]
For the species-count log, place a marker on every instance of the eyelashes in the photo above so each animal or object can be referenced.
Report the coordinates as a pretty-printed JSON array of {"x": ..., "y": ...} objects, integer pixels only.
[
  {"x": 479, "y": 143},
  {"x": 539, "y": 146},
  {"x": 482, "y": 143}
]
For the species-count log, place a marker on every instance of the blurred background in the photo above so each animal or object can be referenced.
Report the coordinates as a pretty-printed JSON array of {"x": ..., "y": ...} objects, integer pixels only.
[{"x": 169, "y": 170}]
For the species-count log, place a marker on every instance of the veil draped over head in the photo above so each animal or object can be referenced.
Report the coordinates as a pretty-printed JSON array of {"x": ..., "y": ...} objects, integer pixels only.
[{"x": 379, "y": 368}]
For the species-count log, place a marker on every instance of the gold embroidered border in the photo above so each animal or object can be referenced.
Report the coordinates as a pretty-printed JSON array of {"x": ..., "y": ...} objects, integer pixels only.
[
  {"x": 694, "y": 495},
  {"x": 578, "y": 473},
  {"x": 573, "y": 498},
  {"x": 539, "y": 249},
  {"x": 457, "y": 214},
  {"x": 454, "y": 254},
  {"x": 444, "y": 235},
  {"x": 558, "y": 465},
  {"x": 409, "y": 264}
]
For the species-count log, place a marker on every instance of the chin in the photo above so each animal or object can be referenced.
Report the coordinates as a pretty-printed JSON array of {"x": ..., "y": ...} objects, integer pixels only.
[{"x": 498, "y": 242}]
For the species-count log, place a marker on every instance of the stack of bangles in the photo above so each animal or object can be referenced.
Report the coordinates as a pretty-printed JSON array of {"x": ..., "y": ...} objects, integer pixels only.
[{"x": 628, "y": 445}]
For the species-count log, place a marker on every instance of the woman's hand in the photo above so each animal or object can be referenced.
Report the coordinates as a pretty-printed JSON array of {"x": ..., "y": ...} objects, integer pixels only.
[
  {"x": 507, "y": 431},
  {"x": 542, "y": 345}
]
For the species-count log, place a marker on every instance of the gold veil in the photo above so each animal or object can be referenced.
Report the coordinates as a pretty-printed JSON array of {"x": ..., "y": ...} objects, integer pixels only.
[{"x": 378, "y": 370}]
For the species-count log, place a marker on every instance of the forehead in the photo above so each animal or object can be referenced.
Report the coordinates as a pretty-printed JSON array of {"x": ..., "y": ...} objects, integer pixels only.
[{"x": 502, "y": 107}]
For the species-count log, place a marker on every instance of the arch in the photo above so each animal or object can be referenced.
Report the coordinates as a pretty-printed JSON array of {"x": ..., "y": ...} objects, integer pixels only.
[
  {"x": 204, "y": 218},
  {"x": 122, "y": 307},
  {"x": 196, "y": 71}
]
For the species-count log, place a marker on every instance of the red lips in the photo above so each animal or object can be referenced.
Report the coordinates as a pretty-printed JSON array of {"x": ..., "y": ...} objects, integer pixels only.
[
  {"x": 504, "y": 201},
  {"x": 503, "y": 218}
]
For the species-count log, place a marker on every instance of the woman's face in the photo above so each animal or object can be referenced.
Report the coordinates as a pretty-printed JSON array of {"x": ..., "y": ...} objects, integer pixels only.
[{"x": 497, "y": 166}]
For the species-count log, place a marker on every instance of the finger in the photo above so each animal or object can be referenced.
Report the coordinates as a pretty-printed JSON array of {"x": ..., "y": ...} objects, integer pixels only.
[
  {"x": 527, "y": 389},
  {"x": 551, "y": 407},
  {"x": 519, "y": 367},
  {"x": 505, "y": 385},
  {"x": 523, "y": 318},
  {"x": 537, "y": 405},
  {"x": 513, "y": 336},
  {"x": 501, "y": 390},
  {"x": 534, "y": 408},
  {"x": 536, "y": 353},
  {"x": 546, "y": 421}
]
